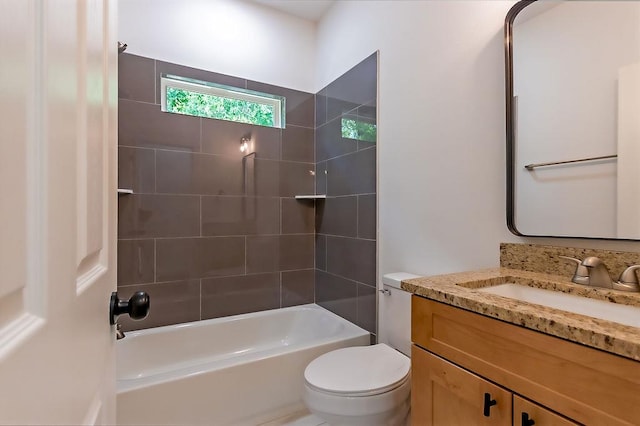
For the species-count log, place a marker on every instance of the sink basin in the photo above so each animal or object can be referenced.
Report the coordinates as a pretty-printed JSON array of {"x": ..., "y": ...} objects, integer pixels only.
[{"x": 622, "y": 314}]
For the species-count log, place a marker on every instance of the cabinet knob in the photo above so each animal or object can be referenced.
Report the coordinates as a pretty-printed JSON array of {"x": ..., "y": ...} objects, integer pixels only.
[
  {"x": 526, "y": 421},
  {"x": 488, "y": 403}
]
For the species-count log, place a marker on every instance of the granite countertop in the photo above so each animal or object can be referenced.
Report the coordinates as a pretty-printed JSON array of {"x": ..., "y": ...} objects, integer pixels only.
[{"x": 458, "y": 290}]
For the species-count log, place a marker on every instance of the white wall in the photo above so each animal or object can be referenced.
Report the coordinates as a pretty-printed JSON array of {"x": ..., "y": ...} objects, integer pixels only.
[
  {"x": 238, "y": 38},
  {"x": 441, "y": 136}
]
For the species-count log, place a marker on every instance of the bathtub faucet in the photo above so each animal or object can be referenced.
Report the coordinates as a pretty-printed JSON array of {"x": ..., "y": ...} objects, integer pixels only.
[{"x": 119, "y": 332}]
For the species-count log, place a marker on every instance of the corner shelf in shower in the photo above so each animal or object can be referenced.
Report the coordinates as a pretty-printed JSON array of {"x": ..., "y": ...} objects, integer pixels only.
[
  {"x": 125, "y": 191},
  {"x": 310, "y": 197}
]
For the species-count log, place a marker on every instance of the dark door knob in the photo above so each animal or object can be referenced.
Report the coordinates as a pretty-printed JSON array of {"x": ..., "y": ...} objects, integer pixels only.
[{"x": 137, "y": 307}]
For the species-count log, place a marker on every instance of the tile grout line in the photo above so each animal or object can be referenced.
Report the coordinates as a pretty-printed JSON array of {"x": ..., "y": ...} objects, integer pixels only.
[
  {"x": 215, "y": 277},
  {"x": 210, "y": 154},
  {"x": 155, "y": 261},
  {"x": 315, "y": 205},
  {"x": 155, "y": 172},
  {"x": 358, "y": 151},
  {"x": 326, "y": 253},
  {"x": 155, "y": 81},
  {"x": 347, "y": 237},
  {"x": 227, "y": 196},
  {"x": 137, "y": 101},
  {"x": 373, "y": 286},
  {"x": 280, "y": 217},
  {"x": 357, "y": 304},
  {"x": 220, "y": 236},
  {"x": 348, "y": 112},
  {"x": 357, "y": 216},
  {"x": 280, "y": 278}
]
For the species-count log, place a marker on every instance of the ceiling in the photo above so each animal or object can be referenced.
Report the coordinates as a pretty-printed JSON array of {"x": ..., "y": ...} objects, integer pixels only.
[{"x": 312, "y": 10}]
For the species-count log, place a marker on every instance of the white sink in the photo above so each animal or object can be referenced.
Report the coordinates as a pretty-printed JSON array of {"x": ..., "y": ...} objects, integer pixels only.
[{"x": 622, "y": 314}]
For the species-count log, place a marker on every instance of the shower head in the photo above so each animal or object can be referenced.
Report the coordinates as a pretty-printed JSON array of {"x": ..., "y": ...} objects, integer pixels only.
[{"x": 122, "y": 47}]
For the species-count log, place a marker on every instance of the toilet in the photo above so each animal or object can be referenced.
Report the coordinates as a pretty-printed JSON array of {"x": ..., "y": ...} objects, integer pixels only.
[{"x": 368, "y": 385}]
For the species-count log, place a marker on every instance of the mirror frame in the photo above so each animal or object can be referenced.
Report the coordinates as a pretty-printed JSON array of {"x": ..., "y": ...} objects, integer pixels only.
[{"x": 510, "y": 128}]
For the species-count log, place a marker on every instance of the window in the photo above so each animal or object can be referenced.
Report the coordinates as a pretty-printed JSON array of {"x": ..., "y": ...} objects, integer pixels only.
[
  {"x": 357, "y": 129},
  {"x": 203, "y": 99}
]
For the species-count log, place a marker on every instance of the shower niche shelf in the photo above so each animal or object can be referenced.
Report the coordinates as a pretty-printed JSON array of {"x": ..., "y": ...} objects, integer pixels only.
[{"x": 310, "y": 197}]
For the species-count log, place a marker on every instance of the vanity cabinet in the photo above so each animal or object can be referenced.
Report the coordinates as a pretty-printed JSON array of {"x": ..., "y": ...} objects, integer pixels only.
[
  {"x": 459, "y": 356},
  {"x": 445, "y": 394}
]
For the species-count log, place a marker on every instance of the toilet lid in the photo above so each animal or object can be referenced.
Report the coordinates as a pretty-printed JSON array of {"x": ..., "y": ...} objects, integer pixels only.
[{"x": 358, "y": 371}]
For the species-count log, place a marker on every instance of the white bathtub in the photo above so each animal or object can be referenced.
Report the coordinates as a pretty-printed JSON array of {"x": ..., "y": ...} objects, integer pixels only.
[{"x": 228, "y": 371}]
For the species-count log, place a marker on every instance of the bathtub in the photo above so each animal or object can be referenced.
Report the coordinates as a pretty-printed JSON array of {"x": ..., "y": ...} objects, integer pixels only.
[{"x": 239, "y": 370}]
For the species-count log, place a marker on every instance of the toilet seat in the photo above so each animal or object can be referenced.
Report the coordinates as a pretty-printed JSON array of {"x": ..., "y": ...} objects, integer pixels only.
[{"x": 358, "y": 371}]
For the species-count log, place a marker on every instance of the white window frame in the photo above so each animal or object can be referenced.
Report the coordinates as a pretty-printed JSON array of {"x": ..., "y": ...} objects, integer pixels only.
[{"x": 223, "y": 92}]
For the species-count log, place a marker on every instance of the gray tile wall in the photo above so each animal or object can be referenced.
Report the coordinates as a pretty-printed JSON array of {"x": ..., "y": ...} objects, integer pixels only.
[
  {"x": 208, "y": 233},
  {"x": 345, "y": 241}
]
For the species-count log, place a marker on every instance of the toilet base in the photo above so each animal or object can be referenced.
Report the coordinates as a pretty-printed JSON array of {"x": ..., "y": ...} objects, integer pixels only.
[
  {"x": 388, "y": 409},
  {"x": 399, "y": 417}
]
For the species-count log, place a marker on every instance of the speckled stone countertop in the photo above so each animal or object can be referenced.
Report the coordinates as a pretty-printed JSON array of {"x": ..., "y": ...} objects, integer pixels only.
[{"x": 459, "y": 290}]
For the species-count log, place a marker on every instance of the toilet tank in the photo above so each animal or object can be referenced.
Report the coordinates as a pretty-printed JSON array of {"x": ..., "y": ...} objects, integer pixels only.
[{"x": 394, "y": 327}]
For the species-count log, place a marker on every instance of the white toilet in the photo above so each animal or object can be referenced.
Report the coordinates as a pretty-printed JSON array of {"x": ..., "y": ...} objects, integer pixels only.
[{"x": 367, "y": 385}]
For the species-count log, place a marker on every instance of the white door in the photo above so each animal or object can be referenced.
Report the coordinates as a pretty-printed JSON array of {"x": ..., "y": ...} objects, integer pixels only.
[{"x": 58, "y": 123}]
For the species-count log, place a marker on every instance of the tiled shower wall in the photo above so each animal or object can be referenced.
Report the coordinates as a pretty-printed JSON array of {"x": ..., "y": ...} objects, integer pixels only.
[
  {"x": 346, "y": 220},
  {"x": 208, "y": 232}
]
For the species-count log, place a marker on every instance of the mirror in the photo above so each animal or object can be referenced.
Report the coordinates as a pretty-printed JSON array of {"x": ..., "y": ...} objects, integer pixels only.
[{"x": 573, "y": 119}]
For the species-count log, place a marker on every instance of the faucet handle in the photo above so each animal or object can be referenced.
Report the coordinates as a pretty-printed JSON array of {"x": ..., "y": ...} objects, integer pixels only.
[
  {"x": 573, "y": 259},
  {"x": 628, "y": 280},
  {"x": 581, "y": 275},
  {"x": 628, "y": 276}
]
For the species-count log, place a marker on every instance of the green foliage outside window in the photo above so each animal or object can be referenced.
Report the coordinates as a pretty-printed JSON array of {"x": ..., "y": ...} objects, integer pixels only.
[
  {"x": 211, "y": 106},
  {"x": 356, "y": 129}
]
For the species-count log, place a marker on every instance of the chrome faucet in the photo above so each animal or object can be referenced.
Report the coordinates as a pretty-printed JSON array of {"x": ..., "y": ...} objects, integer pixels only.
[
  {"x": 593, "y": 272},
  {"x": 598, "y": 272}
]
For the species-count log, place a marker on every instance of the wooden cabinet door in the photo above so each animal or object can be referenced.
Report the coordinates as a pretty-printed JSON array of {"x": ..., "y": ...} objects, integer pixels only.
[
  {"x": 526, "y": 413},
  {"x": 445, "y": 394}
]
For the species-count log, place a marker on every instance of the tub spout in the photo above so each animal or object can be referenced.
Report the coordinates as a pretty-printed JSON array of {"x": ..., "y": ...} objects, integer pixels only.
[{"x": 119, "y": 332}]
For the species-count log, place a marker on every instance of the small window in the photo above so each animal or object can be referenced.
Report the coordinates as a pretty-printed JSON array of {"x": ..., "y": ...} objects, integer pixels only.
[
  {"x": 204, "y": 99},
  {"x": 353, "y": 128}
]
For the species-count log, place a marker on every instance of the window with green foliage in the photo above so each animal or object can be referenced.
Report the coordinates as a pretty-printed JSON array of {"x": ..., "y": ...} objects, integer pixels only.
[
  {"x": 357, "y": 129},
  {"x": 203, "y": 99}
]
